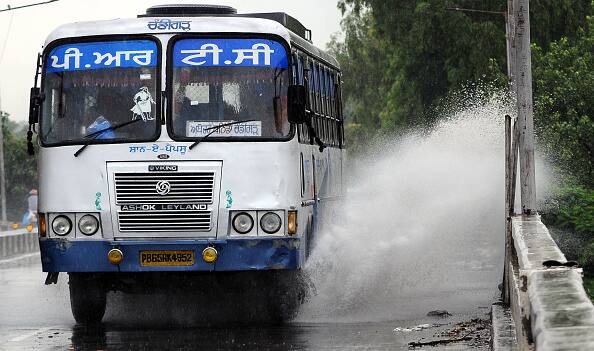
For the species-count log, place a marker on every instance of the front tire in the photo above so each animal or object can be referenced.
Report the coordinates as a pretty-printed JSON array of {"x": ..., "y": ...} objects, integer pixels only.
[
  {"x": 288, "y": 292},
  {"x": 88, "y": 298}
]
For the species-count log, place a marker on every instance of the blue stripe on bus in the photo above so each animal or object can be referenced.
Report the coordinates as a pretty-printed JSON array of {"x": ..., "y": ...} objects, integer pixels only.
[
  {"x": 229, "y": 53},
  {"x": 59, "y": 255},
  {"x": 106, "y": 54}
]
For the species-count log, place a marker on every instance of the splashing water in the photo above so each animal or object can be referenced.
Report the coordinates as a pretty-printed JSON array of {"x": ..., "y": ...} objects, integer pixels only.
[{"x": 422, "y": 226}]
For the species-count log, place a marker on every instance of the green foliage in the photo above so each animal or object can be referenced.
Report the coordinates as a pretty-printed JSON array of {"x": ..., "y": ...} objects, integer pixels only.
[
  {"x": 563, "y": 92},
  {"x": 20, "y": 170},
  {"x": 573, "y": 214},
  {"x": 575, "y": 210},
  {"x": 402, "y": 57}
]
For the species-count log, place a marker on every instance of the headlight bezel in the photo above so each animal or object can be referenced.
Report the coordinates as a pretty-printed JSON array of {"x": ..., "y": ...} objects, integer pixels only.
[
  {"x": 236, "y": 216},
  {"x": 268, "y": 215},
  {"x": 68, "y": 221},
  {"x": 97, "y": 224}
]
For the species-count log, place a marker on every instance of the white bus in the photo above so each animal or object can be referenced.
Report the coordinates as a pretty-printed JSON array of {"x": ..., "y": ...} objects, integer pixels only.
[{"x": 189, "y": 143}]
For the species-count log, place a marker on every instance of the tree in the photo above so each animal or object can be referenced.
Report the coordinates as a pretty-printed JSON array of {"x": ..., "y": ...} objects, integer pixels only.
[
  {"x": 563, "y": 94},
  {"x": 20, "y": 169},
  {"x": 403, "y": 57}
]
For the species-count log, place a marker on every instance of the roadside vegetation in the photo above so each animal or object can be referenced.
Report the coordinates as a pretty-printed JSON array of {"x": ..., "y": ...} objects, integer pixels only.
[
  {"x": 20, "y": 169},
  {"x": 404, "y": 60}
]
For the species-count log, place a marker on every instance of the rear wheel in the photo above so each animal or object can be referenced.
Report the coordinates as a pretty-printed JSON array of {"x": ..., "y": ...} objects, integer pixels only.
[{"x": 88, "y": 297}]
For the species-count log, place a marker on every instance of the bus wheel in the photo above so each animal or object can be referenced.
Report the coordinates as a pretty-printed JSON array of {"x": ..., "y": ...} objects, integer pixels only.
[
  {"x": 289, "y": 291},
  {"x": 88, "y": 298}
]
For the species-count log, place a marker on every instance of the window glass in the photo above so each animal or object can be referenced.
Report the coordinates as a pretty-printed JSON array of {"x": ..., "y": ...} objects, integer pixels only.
[
  {"x": 312, "y": 93},
  {"x": 331, "y": 83},
  {"x": 318, "y": 93},
  {"x": 323, "y": 89},
  {"x": 301, "y": 70},
  {"x": 92, "y": 87},
  {"x": 294, "y": 69},
  {"x": 219, "y": 81}
]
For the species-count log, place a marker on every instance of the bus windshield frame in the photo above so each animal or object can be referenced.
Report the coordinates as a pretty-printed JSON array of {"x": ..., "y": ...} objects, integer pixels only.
[
  {"x": 153, "y": 99},
  {"x": 286, "y": 79}
]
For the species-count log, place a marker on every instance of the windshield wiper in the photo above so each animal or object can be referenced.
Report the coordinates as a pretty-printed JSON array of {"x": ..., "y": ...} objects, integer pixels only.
[
  {"x": 215, "y": 128},
  {"x": 94, "y": 135}
]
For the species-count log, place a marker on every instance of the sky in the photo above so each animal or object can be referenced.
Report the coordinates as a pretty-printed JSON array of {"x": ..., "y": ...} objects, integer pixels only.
[{"x": 23, "y": 32}]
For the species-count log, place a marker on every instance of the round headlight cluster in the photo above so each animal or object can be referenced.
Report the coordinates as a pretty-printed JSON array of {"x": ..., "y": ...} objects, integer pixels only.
[
  {"x": 243, "y": 223},
  {"x": 270, "y": 223},
  {"x": 88, "y": 225},
  {"x": 61, "y": 225}
]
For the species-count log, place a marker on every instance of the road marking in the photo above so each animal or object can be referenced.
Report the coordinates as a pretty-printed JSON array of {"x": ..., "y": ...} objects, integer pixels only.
[
  {"x": 31, "y": 334},
  {"x": 18, "y": 258}
]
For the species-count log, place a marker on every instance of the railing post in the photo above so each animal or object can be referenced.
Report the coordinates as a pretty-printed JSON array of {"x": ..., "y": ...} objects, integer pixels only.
[{"x": 508, "y": 203}]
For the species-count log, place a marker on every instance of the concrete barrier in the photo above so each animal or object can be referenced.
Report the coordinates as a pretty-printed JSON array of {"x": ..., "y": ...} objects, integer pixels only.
[
  {"x": 549, "y": 306},
  {"x": 16, "y": 242}
]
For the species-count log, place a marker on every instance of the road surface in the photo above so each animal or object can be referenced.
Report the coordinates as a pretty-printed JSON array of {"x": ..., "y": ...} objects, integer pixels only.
[{"x": 37, "y": 317}]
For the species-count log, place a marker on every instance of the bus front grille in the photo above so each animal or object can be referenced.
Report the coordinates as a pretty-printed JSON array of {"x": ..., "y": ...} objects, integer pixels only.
[
  {"x": 159, "y": 188},
  {"x": 158, "y": 199},
  {"x": 156, "y": 221}
]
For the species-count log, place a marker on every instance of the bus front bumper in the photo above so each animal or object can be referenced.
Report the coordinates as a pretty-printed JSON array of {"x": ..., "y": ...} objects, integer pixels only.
[{"x": 60, "y": 255}]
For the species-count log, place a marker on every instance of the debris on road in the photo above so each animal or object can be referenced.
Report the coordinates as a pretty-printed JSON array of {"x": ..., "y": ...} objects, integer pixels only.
[
  {"x": 475, "y": 332},
  {"x": 416, "y": 328},
  {"x": 438, "y": 313}
]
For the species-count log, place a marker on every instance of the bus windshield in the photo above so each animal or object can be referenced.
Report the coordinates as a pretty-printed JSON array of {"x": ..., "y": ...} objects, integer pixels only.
[
  {"x": 93, "y": 86},
  {"x": 218, "y": 81}
]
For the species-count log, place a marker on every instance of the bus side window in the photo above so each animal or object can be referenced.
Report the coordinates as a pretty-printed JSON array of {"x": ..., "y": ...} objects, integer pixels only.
[
  {"x": 323, "y": 90},
  {"x": 295, "y": 68},
  {"x": 318, "y": 89},
  {"x": 300, "y": 70},
  {"x": 326, "y": 83},
  {"x": 312, "y": 93},
  {"x": 339, "y": 111},
  {"x": 331, "y": 87}
]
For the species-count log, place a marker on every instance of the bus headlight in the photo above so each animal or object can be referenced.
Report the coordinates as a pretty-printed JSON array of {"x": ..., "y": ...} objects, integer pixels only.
[
  {"x": 270, "y": 223},
  {"x": 61, "y": 225},
  {"x": 88, "y": 225},
  {"x": 243, "y": 223}
]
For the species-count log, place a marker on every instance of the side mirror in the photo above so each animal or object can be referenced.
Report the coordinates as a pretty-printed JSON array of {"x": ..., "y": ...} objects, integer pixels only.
[
  {"x": 296, "y": 104},
  {"x": 34, "y": 105}
]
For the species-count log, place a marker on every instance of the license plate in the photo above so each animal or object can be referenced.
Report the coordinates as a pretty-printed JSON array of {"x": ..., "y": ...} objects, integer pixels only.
[{"x": 167, "y": 258}]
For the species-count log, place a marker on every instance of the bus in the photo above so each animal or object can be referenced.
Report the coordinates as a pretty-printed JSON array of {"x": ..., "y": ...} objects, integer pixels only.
[{"x": 188, "y": 147}]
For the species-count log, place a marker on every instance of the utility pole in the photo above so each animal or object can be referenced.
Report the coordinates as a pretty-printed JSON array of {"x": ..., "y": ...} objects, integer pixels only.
[
  {"x": 522, "y": 83},
  {"x": 510, "y": 43}
]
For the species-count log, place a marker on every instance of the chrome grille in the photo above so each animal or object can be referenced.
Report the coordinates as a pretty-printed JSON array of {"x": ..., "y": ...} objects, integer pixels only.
[
  {"x": 186, "y": 187},
  {"x": 154, "y": 221}
]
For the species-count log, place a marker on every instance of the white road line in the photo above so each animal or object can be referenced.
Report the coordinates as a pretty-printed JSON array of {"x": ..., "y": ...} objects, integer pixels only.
[
  {"x": 31, "y": 334},
  {"x": 18, "y": 258}
]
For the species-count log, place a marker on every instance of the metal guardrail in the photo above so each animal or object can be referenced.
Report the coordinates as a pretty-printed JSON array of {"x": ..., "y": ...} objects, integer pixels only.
[
  {"x": 17, "y": 242},
  {"x": 549, "y": 305}
]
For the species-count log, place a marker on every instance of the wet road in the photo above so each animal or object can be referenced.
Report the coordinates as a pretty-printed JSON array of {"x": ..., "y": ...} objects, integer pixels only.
[{"x": 37, "y": 317}]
